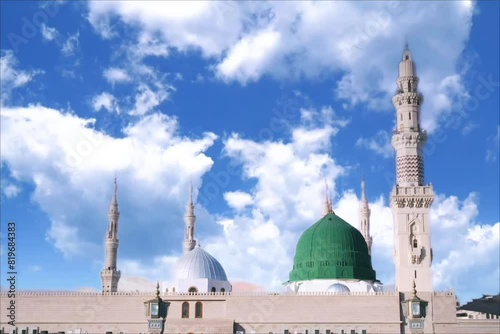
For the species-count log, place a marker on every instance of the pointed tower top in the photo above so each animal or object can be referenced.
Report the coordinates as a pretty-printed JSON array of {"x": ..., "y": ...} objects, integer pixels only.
[
  {"x": 328, "y": 200},
  {"x": 190, "y": 205},
  {"x": 406, "y": 52},
  {"x": 191, "y": 193},
  {"x": 363, "y": 189},
  {"x": 116, "y": 187},
  {"x": 113, "y": 207}
]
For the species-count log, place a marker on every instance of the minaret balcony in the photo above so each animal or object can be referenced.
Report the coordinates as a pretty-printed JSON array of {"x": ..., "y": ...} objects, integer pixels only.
[
  {"x": 407, "y": 98},
  {"x": 410, "y": 191},
  {"x": 412, "y": 196},
  {"x": 111, "y": 272}
]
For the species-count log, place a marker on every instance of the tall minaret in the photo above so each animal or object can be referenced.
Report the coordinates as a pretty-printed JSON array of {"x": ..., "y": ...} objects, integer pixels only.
[
  {"x": 411, "y": 199},
  {"x": 190, "y": 219},
  {"x": 364, "y": 217},
  {"x": 110, "y": 275}
]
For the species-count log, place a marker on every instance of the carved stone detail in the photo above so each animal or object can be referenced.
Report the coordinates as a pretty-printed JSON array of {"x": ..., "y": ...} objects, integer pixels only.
[{"x": 410, "y": 168}]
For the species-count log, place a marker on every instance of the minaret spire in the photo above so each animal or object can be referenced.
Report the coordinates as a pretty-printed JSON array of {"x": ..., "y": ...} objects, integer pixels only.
[
  {"x": 363, "y": 190},
  {"x": 190, "y": 220},
  {"x": 110, "y": 275},
  {"x": 364, "y": 217},
  {"x": 328, "y": 200},
  {"x": 411, "y": 198}
]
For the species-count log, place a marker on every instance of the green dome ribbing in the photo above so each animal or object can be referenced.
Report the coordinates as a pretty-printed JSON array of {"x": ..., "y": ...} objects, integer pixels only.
[{"x": 332, "y": 249}]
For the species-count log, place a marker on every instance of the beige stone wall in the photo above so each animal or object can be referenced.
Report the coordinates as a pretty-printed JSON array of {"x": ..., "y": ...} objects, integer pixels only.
[
  {"x": 482, "y": 326},
  {"x": 261, "y": 313}
]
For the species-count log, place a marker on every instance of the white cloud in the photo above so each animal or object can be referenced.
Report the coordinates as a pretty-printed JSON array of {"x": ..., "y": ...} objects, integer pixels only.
[
  {"x": 143, "y": 275},
  {"x": 147, "y": 99},
  {"x": 492, "y": 152},
  {"x": 204, "y": 25},
  {"x": 277, "y": 216},
  {"x": 10, "y": 190},
  {"x": 49, "y": 33},
  {"x": 10, "y": 76},
  {"x": 149, "y": 45},
  {"x": 150, "y": 89},
  {"x": 238, "y": 200},
  {"x": 287, "y": 196},
  {"x": 360, "y": 41},
  {"x": 104, "y": 100},
  {"x": 380, "y": 144},
  {"x": 69, "y": 164},
  {"x": 71, "y": 45},
  {"x": 247, "y": 59},
  {"x": 116, "y": 75}
]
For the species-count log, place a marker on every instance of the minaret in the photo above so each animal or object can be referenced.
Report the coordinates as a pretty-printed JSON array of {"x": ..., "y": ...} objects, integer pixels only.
[
  {"x": 411, "y": 199},
  {"x": 110, "y": 275},
  {"x": 190, "y": 219},
  {"x": 364, "y": 217}
]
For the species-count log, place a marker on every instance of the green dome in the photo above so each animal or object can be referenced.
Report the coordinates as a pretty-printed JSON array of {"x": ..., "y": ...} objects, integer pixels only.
[{"x": 332, "y": 249}]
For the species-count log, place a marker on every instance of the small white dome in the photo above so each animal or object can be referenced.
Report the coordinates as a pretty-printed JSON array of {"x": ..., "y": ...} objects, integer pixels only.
[
  {"x": 338, "y": 288},
  {"x": 198, "y": 263}
]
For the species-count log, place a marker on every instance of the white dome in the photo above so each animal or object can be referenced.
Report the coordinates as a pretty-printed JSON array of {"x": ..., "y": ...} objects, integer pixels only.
[
  {"x": 198, "y": 263},
  {"x": 338, "y": 288}
]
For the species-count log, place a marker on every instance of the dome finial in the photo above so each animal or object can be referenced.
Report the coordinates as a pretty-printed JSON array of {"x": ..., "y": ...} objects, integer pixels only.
[{"x": 328, "y": 200}]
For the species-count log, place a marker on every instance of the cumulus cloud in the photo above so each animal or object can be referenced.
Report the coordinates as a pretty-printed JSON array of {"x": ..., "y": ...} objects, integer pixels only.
[
  {"x": 286, "y": 201},
  {"x": 70, "y": 165},
  {"x": 286, "y": 198},
  {"x": 11, "y": 77},
  {"x": 9, "y": 189},
  {"x": 380, "y": 144},
  {"x": 116, "y": 75},
  {"x": 150, "y": 87},
  {"x": 238, "y": 200},
  {"x": 71, "y": 45},
  {"x": 359, "y": 41},
  {"x": 104, "y": 100},
  {"x": 49, "y": 33}
]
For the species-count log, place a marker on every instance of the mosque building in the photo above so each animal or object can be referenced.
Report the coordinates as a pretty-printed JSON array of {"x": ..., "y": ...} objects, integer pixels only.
[{"x": 332, "y": 287}]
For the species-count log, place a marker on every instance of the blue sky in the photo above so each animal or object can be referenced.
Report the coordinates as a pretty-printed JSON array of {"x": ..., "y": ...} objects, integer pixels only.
[{"x": 256, "y": 103}]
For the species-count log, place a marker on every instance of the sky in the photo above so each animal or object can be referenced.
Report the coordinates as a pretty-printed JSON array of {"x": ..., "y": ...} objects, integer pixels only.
[{"x": 254, "y": 103}]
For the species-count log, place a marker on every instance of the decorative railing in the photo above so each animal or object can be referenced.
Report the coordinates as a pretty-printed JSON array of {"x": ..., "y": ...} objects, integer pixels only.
[
  {"x": 208, "y": 294},
  {"x": 425, "y": 190}
]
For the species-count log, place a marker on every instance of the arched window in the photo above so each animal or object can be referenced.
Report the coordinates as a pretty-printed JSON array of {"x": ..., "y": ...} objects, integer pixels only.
[
  {"x": 193, "y": 290},
  {"x": 198, "y": 310},
  {"x": 185, "y": 310},
  {"x": 409, "y": 116},
  {"x": 409, "y": 86},
  {"x": 415, "y": 243},
  {"x": 222, "y": 290},
  {"x": 213, "y": 290}
]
